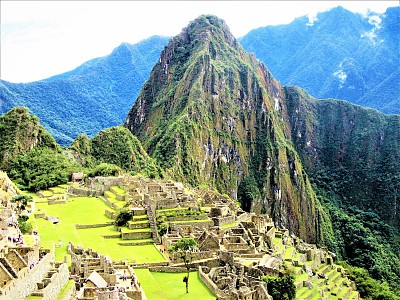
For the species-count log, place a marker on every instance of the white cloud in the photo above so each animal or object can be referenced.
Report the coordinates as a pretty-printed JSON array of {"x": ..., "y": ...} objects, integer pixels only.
[
  {"x": 312, "y": 18},
  {"x": 376, "y": 22},
  {"x": 342, "y": 77}
]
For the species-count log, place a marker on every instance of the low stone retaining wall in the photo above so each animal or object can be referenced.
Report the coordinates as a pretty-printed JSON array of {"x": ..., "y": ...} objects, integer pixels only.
[
  {"x": 84, "y": 226},
  {"x": 136, "y": 235},
  {"x": 110, "y": 214},
  {"x": 202, "y": 225},
  {"x": 148, "y": 265},
  {"x": 135, "y": 225},
  {"x": 176, "y": 257},
  {"x": 219, "y": 221},
  {"x": 53, "y": 202},
  {"x": 84, "y": 192},
  {"x": 168, "y": 269},
  {"x": 111, "y": 236},
  {"x": 251, "y": 255},
  {"x": 138, "y": 243},
  {"x": 39, "y": 215},
  {"x": 187, "y": 218}
]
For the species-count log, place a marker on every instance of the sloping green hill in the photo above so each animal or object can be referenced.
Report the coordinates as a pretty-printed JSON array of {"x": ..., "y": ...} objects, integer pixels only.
[{"x": 94, "y": 96}]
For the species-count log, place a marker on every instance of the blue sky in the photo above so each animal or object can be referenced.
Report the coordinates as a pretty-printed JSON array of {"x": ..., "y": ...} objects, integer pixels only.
[{"x": 44, "y": 38}]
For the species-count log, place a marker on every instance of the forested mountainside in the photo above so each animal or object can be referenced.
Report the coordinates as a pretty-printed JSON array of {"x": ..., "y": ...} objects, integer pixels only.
[
  {"x": 92, "y": 97},
  {"x": 338, "y": 54},
  {"x": 210, "y": 113},
  {"x": 34, "y": 160}
]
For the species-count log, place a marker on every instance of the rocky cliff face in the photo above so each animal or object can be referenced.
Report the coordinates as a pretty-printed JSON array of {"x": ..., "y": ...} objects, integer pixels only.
[
  {"x": 350, "y": 150},
  {"x": 211, "y": 113}
]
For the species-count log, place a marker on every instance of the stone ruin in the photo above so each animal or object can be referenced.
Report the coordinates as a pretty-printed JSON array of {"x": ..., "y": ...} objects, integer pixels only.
[
  {"x": 32, "y": 271},
  {"x": 97, "y": 277}
]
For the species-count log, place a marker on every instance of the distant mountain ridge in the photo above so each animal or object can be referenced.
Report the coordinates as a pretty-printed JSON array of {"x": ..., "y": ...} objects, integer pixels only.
[
  {"x": 92, "y": 97},
  {"x": 340, "y": 54},
  {"x": 357, "y": 61}
]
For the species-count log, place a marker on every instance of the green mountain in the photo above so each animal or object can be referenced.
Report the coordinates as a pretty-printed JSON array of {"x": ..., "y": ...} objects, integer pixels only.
[
  {"x": 29, "y": 154},
  {"x": 116, "y": 146},
  {"x": 350, "y": 150},
  {"x": 92, "y": 97},
  {"x": 21, "y": 132},
  {"x": 338, "y": 54},
  {"x": 210, "y": 113}
]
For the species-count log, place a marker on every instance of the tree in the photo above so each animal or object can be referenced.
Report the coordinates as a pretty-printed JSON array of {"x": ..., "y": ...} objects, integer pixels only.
[
  {"x": 281, "y": 287},
  {"x": 248, "y": 192},
  {"x": 123, "y": 217},
  {"x": 21, "y": 201},
  {"x": 185, "y": 247}
]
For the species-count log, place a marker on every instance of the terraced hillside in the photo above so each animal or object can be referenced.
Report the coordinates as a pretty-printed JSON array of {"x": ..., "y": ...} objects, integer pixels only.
[{"x": 65, "y": 214}]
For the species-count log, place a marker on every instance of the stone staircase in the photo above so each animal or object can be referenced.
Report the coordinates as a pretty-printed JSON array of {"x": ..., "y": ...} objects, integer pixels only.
[
  {"x": 8, "y": 267},
  {"x": 153, "y": 226}
]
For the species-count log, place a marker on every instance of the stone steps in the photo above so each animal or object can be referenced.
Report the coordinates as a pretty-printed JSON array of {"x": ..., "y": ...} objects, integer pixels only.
[
  {"x": 153, "y": 226},
  {"x": 8, "y": 267}
]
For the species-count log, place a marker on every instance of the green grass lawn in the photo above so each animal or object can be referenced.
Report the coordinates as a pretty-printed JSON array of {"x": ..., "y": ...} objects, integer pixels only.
[
  {"x": 169, "y": 286},
  {"x": 118, "y": 190},
  {"x": 89, "y": 210},
  {"x": 228, "y": 225},
  {"x": 80, "y": 210},
  {"x": 58, "y": 190},
  {"x": 47, "y": 193}
]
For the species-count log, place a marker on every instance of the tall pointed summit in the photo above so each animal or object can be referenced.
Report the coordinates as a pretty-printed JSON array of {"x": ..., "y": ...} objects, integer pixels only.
[{"x": 210, "y": 113}]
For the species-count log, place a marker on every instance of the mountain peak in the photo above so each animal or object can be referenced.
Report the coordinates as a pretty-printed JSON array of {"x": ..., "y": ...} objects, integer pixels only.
[{"x": 212, "y": 114}]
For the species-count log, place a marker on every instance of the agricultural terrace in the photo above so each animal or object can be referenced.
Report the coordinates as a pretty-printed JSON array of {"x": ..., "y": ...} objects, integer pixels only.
[{"x": 89, "y": 211}]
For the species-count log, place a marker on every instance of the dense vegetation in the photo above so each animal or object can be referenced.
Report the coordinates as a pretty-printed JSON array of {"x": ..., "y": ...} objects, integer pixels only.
[
  {"x": 34, "y": 161},
  {"x": 92, "y": 97},
  {"x": 369, "y": 288},
  {"x": 340, "y": 55},
  {"x": 40, "y": 169},
  {"x": 29, "y": 154},
  {"x": 20, "y": 131},
  {"x": 352, "y": 157},
  {"x": 281, "y": 287},
  {"x": 116, "y": 146}
]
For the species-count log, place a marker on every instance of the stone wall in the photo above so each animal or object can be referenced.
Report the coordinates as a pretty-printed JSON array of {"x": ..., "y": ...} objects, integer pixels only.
[
  {"x": 55, "y": 283},
  {"x": 109, "y": 181},
  {"x": 77, "y": 191},
  {"x": 136, "y": 235},
  {"x": 110, "y": 214},
  {"x": 84, "y": 226},
  {"x": 176, "y": 257},
  {"x": 137, "y": 225},
  {"x": 219, "y": 221},
  {"x": 187, "y": 218},
  {"x": 168, "y": 269},
  {"x": 25, "y": 284},
  {"x": 201, "y": 225},
  {"x": 208, "y": 282}
]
